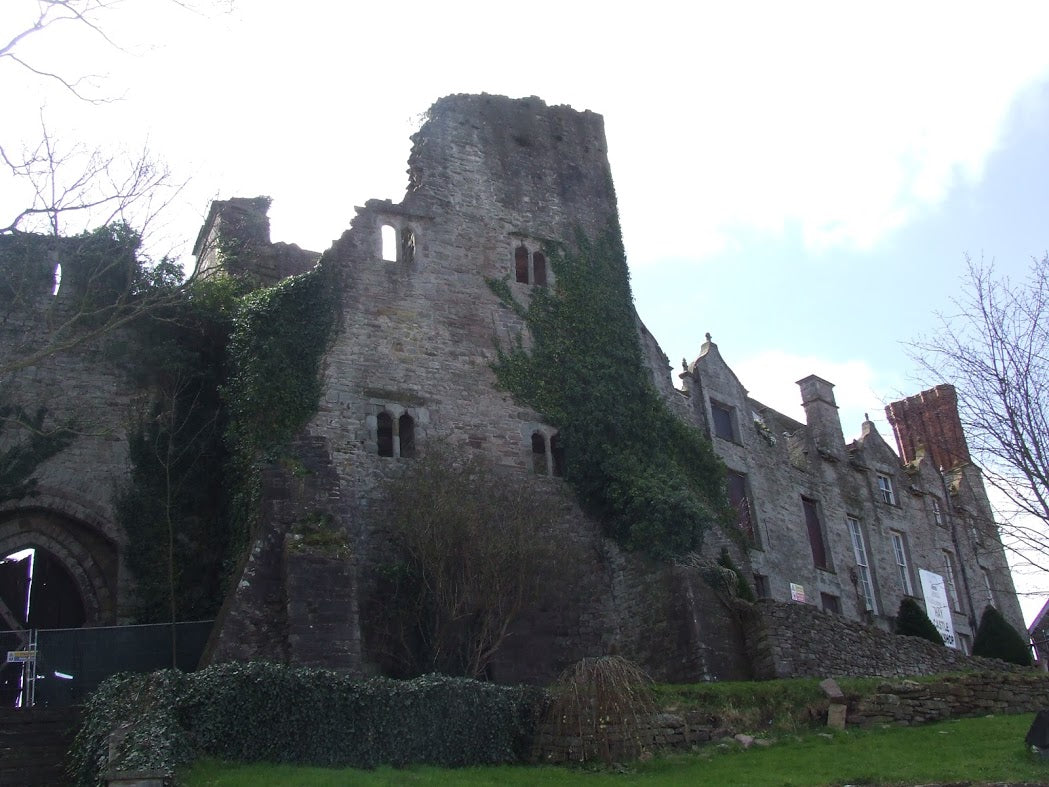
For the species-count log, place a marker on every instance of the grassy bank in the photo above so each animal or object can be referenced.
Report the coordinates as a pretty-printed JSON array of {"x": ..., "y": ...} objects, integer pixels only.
[{"x": 970, "y": 750}]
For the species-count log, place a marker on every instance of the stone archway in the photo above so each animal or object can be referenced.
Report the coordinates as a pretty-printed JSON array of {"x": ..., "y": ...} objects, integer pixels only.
[{"x": 80, "y": 562}]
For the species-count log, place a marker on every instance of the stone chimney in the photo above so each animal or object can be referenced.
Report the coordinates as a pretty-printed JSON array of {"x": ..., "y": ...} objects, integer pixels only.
[
  {"x": 821, "y": 414},
  {"x": 930, "y": 421}
]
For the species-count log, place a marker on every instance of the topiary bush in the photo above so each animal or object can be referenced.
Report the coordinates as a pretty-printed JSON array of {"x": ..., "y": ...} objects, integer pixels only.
[
  {"x": 996, "y": 639},
  {"x": 912, "y": 621},
  {"x": 268, "y": 712}
]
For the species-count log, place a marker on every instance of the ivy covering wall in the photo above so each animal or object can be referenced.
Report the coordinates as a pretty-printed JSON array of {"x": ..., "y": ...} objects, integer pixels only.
[{"x": 653, "y": 481}]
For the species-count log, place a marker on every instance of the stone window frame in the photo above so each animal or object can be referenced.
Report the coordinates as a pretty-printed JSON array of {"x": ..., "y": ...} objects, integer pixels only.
[
  {"x": 729, "y": 420},
  {"x": 405, "y": 241},
  {"x": 396, "y": 414},
  {"x": 536, "y": 271},
  {"x": 898, "y": 541},
  {"x": 749, "y": 528},
  {"x": 830, "y": 603},
  {"x": 815, "y": 528},
  {"x": 937, "y": 512},
  {"x": 861, "y": 554},
  {"x": 552, "y": 463},
  {"x": 950, "y": 582},
  {"x": 886, "y": 488}
]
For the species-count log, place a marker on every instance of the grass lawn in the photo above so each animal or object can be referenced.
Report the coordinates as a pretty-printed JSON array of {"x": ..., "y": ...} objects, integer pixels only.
[{"x": 980, "y": 750}]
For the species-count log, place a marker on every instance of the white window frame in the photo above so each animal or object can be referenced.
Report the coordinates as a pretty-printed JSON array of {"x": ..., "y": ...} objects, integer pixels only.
[
  {"x": 937, "y": 511},
  {"x": 888, "y": 495},
  {"x": 987, "y": 584},
  {"x": 899, "y": 548},
  {"x": 862, "y": 568},
  {"x": 948, "y": 577}
]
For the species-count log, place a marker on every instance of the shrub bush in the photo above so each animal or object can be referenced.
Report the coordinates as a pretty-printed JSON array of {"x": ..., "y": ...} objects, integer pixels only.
[
  {"x": 996, "y": 639},
  {"x": 269, "y": 712},
  {"x": 912, "y": 621},
  {"x": 603, "y": 702}
]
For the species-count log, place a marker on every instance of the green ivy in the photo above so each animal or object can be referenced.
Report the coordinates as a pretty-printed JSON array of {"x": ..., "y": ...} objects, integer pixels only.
[
  {"x": 654, "y": 481},
  {"x": 20, "y": 458},
  {"x": 279, "y": 338}
]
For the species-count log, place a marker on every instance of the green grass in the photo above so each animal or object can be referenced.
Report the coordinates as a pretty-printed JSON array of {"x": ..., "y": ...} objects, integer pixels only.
[{"x": 985, "y": 749}]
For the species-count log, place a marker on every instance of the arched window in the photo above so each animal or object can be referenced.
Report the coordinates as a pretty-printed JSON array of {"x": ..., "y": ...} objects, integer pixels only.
[
  {"x": 389, "y": 243},
  {"x": 407, "y": 246},
  {"x": 539, "y": 269},
  {"x": 557, "y": 456},
  {"x": 538, "y": 453},
  {"x": 521, "y": 264},
  {"x": 384, "y": 434},
  {"x": 406, "y": 430}
]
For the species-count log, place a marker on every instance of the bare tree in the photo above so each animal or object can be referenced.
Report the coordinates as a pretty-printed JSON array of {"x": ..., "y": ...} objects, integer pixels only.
[
  {"x": 62, "y": 191},
  {"x": 477, "y": 548},
  {"x": 994, "y": 348}
]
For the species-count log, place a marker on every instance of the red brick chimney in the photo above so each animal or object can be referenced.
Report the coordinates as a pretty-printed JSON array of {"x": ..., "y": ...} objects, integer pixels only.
[{"x": 930, "y": 420}]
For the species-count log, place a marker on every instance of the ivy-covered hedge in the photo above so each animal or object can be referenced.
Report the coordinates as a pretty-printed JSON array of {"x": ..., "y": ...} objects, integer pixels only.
[
  {"x": 654, "y": 481},
  {"x": 269, "y": 712}
]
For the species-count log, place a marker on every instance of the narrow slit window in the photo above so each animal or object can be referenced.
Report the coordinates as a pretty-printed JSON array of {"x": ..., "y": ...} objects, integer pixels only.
[
  {"x": 538, "y": 454},
  {"x": 521, "y": 265},
  {"x": 557, "y": 455},
  {"x": 384, "y": 434},
  {"x": 539, "y": 269},
  {"x": 406, "y": 430},
  {"x": 57, "y": 280},
  {"x": 815, "y": 530},
  {"x": 407, "y": 246},
  {"x": 389, "y": 243}
]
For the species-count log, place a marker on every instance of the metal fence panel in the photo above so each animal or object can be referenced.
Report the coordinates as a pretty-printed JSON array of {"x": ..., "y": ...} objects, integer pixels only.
[{"x": 72, "y": 662}]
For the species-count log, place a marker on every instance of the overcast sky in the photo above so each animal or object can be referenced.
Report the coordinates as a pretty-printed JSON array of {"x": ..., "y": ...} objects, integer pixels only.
[{"x": 803, "y": 180}]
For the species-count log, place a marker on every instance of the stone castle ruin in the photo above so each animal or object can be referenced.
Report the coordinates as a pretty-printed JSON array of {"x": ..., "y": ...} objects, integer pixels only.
[{"x": 846, "y": 527}]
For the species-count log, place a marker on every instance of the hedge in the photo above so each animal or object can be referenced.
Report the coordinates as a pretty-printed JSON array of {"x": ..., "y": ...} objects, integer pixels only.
[{"x": 267, "y": 712}]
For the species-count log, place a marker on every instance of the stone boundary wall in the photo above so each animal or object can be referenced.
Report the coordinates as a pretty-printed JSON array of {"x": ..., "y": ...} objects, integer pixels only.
[
  {"x": 791, "y": 640},
  {"x": 902, "y": 703},
  {"x": 977, "y": 694}
]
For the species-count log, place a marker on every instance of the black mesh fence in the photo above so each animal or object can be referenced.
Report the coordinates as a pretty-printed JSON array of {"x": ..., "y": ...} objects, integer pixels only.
[{"x": 72, "y": 662}]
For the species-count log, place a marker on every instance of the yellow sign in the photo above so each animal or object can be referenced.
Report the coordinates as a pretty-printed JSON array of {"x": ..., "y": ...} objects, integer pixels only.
[{"x": 20, "y": 655}]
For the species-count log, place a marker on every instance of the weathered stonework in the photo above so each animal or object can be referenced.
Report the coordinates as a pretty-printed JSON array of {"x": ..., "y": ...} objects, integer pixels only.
[{"x": 491, "y": 180}]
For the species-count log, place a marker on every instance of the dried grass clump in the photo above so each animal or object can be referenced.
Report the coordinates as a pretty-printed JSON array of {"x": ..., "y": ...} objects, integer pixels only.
[{"x": 605, "y": 706}]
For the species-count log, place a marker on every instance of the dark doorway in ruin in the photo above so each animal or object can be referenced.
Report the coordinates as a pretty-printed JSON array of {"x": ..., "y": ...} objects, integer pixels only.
[{"x": 37, "y": 592}]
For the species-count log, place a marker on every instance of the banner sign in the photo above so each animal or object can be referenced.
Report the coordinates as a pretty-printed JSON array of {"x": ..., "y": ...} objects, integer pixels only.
[
  {"x": 15, "y": 656},
  {"x": 937, "y": 607},
  {"x": 797, "y": 592}
]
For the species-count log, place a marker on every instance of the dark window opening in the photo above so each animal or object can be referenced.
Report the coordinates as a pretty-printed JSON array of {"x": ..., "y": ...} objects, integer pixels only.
[
  {"x": 737, "y": 497},
  {"x": 538, "y": 454},
  {"x": 539, "y": 269},
  {"x": 761, "y": 586},
  {"x": 406, "y": 429},
  {"x": 557, "y": 455},
  {"x": 722, "y": 418},
  {"x": 830, "y": 603},
  {"x": 521, "y": 264},
  {"x": 812, "y": 523},
  {"x": 407, "y": 246},
  {"x": 384, "y": 434}
]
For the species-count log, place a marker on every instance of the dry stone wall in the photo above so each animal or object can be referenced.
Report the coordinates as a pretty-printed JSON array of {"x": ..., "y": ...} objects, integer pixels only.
[{"x": 787, "y": 640}]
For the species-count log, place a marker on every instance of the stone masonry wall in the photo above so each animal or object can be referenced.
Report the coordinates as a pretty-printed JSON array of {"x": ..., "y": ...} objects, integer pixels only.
[{"x": 788, "y": 640}]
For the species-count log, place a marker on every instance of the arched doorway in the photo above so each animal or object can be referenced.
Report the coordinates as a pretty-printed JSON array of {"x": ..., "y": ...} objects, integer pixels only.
[{"x": 56, "y": 572}]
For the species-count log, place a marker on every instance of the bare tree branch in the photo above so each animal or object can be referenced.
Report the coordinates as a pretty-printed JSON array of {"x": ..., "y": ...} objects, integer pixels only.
[{"x": 994, "y": 348}]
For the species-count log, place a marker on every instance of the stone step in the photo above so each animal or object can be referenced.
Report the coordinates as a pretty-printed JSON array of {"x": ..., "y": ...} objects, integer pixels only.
[{"x": 33, "y": 745}]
